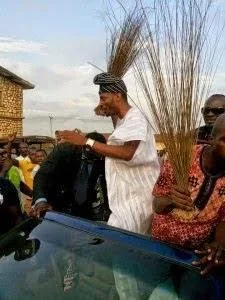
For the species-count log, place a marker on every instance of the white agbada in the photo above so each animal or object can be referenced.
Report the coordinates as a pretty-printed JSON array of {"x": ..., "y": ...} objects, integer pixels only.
[{"x": 130, "y": 183}]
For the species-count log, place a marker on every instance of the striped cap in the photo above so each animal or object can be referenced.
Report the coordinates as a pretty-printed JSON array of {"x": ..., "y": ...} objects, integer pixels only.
[{"x": 109, "y": 83}]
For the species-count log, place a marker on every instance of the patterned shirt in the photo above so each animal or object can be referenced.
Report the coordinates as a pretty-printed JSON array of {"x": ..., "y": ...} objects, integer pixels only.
[{"x": 206, "y": 191}]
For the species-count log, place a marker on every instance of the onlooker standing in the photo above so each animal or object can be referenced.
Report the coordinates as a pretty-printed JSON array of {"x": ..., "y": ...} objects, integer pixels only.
[
  {"x": 23, "y": 151},
  {"x": 213, "y": 107},
  {"x": 40, "y": 158},
  {"x": 9, "y": 171},
  {"x": 26, "y": 165}
]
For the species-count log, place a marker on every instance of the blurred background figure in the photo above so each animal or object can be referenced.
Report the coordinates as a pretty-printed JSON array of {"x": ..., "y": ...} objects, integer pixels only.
[
  {"x": 23, "y": 151},
  {"x": 26, "y": 164},
  {"x": 41, "y": 156}
]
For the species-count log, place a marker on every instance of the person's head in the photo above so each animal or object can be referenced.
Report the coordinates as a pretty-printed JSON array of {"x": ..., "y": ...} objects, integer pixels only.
[
  {"x": 40, "y": 156},
  {"x": 218, "y": 135},
  {"x": 23, "y": 149},
  {"x": 13, "y": 153},
  {"x": 213, "y": 107},
  {"x": 112, "y": 93},
  {"x": 32, "y": 155}
]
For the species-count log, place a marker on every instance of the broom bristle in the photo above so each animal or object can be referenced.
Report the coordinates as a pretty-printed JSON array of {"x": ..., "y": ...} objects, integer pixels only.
[
  {"x": 124, "y": 43},
  {"x": 171, "y": 76}
]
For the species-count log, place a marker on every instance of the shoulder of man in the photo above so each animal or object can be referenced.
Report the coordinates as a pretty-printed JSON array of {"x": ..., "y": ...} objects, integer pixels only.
[
  {"x": 136, "y": 115},
  {"x": 67, "y": 148}
]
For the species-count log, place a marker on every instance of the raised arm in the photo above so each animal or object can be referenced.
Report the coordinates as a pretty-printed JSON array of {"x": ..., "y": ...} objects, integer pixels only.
[
  {"x": 123, "y": 152},
  {"x": 11, "y": 139}
]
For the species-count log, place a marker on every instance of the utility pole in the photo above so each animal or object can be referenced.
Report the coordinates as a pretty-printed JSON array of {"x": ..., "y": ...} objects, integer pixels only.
[{"x": 50, "y": 124}]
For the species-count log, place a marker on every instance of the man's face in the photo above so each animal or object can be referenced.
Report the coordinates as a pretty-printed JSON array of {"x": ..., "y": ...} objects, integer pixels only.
[
  {"x": 40, "y": 157},
  {"x": 23, "y": 149},
  {"x": 13, "y": 153},
  {"x": 212, "y": 109},
  {"x": 107, "y": 103},
  {"x": 32, "y": 155}
]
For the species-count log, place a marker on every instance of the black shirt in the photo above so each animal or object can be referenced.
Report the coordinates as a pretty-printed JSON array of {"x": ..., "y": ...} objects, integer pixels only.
[
  {"x": 9, "y": 205},
  {"x": 72, "y": 183}
]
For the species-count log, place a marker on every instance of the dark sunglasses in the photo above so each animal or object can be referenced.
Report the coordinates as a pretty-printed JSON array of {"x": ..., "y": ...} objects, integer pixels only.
[{"x": 215, "y": 110}]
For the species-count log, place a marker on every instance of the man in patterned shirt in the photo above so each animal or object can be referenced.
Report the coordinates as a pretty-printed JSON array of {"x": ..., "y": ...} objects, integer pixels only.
[
  {"x": 195, "y": 216},
  {"x": 214, "y": 106}
]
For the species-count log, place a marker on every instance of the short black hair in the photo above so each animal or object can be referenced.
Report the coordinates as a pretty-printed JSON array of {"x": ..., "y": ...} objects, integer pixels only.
[
  {"x": 96, "y": 136},
  {"x": 213, "y": 97},
  {"x": 42, "y": 150}
]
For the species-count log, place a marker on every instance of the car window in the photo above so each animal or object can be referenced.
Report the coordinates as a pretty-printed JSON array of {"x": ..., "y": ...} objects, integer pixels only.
[{"x": 59, "y": 262}]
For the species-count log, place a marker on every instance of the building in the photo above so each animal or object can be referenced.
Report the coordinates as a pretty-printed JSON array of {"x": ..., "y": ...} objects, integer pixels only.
[{"x": 11, "y": 102}]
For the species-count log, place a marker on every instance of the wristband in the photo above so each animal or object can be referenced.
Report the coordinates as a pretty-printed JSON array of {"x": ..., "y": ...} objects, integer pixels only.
[{"x": 90, "y": 143}]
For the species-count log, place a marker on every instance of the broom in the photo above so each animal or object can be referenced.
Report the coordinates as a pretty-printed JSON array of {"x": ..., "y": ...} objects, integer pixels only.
[{"x": 174, "y": 75}]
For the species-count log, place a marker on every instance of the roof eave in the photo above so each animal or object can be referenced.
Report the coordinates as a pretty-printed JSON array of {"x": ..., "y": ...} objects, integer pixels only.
[{"x": 26, "y": 85}]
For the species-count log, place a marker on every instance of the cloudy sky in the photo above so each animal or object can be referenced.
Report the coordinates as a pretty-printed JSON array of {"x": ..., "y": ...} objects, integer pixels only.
[{"x": 50, "y": 43}]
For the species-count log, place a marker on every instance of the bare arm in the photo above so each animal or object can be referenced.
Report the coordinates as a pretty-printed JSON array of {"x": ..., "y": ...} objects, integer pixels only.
[
  {"x": 11, "y": 139},
  {"x": 124, "y": 152},
  {"x": 25, "y": 189}
]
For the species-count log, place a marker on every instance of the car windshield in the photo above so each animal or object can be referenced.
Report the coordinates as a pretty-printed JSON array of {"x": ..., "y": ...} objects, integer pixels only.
[{"x": 51, "y": 261}]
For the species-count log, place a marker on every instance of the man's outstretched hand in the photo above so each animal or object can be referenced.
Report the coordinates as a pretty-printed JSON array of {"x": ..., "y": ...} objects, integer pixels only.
[{"x": 68, "y": 136}]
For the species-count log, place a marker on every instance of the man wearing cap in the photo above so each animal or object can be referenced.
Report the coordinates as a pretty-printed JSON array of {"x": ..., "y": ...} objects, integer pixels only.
[{"x": 131, "y": 161}]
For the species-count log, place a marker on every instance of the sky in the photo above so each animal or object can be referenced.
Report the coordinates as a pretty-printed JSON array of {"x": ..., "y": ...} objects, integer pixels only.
[{"x": 49, "y": 43}]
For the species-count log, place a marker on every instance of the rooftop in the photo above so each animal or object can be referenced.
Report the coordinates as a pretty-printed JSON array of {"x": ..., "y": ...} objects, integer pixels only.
[{"x": 13, "y": 77}]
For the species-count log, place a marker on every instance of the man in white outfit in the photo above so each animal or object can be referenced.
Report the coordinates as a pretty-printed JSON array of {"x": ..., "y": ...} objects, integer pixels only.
[{"x": 132, "y": 164}]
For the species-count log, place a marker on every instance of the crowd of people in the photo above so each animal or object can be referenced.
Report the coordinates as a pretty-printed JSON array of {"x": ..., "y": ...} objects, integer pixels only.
[{"x": 118, "y": 178}]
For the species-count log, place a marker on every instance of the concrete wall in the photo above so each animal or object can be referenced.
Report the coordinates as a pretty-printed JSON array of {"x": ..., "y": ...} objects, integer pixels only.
[{"x": 11, "y": 107}]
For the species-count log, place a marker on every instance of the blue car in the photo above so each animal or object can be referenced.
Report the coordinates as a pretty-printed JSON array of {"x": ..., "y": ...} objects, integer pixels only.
[{"x": 62, "y": 257}]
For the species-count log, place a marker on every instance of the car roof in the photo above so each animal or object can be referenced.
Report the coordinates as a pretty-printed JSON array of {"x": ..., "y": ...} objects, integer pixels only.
[
  {"x": 139, "y": 242},
  {"x": 76, "y": 243}
]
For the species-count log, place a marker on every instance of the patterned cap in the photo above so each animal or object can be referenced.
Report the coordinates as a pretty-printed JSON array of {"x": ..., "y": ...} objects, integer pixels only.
[{"x": 109, "y": 83}]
